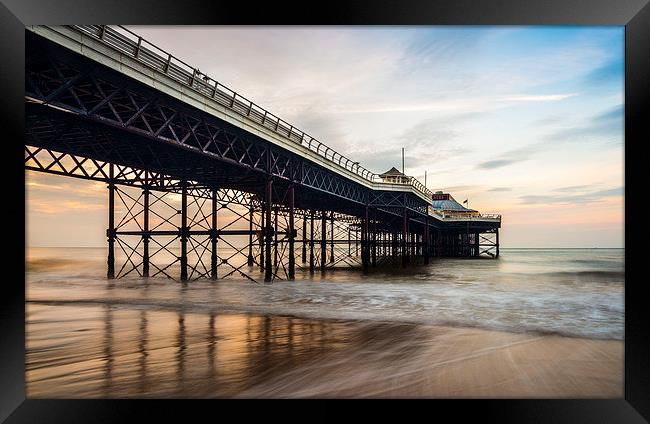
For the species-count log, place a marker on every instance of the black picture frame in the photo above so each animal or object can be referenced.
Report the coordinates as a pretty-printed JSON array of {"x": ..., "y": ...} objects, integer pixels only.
[{"x": 633, "y": 14}]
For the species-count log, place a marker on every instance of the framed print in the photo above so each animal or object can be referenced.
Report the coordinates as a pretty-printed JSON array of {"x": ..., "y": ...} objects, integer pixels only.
[{"x": 423, "y": 200}]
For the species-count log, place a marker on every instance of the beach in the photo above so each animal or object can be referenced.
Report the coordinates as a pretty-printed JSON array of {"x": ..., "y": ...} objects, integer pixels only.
[{"x": 92, "y": 338}]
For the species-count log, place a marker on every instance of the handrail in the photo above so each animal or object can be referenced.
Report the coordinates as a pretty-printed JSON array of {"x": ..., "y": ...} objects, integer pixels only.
[
  {"x": 152, "y": 56},
  {"x": 465, "y": 216},
  {"x": 491, "y": 215}
]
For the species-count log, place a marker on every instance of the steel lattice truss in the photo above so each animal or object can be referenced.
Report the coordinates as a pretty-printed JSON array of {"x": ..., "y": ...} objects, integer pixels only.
[
  {"x": 240, "y": 253},
  {"x": 164, "y": 232},
  {"x": 69, "y": 165},
  {"x": 394, "y": 202},
  {"x": 344, "y": 245}
]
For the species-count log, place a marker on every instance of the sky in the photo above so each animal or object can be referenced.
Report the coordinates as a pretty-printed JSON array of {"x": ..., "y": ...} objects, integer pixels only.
[{"x": 522, "y": 121}]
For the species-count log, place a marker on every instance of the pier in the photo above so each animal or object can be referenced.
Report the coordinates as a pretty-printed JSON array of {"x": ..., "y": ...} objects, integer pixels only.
[{"x": 204, "y": 183}]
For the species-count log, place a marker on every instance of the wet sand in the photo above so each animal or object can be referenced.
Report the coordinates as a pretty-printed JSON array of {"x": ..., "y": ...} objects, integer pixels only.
[
  {"x": 466, "y": 363},
  {"x": 97, "y": 351}
]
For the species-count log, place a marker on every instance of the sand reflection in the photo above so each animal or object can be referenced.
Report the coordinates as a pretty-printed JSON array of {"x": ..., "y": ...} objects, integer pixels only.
[{"x": 164, "y": 353}]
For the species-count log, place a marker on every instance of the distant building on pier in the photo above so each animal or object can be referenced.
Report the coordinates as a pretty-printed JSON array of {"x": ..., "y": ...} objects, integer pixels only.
[
  {"x": 394, "y": 176},
  {"x": 445, "y": 204}
]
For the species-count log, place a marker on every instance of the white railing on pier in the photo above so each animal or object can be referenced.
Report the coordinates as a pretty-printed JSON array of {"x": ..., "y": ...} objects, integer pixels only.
[{"x": 464, "y": 216}]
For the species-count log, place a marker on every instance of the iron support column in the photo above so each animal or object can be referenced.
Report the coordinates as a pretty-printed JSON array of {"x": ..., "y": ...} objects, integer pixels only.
[
  {"x": 404, "y": 236},
  {"x": 374, "y": 237},
  {"x": 356, "y": 242},
  {"x": 304, "y": 238},
  {"x": 388, "y": 244},
  {"x": 214, "y": 236},
  {"x": 275, "y": 237},
  {"x": 386, "y": 241},
  {"x": 332, "y": 239},
  {"x": 262, "y": 237},
  {"x": 426, "y": 241},
  {"x": 268, "y": 231},
  {"x": 323, "y": 240},
  {"x": 292, "y": 259},
  {"x": 349, "y": 241},
  {"x": 497, "y": 231},
  {"x": 250, "y": 234},
  {"x": 453, "y": 238},
  {"x": 183, "y": 230},
  {"x": 364, "y": 240},
  {"x": 110, "y": 232},
  {"x": 311, "y": 242},
  {"x": 145, "y": 225}
]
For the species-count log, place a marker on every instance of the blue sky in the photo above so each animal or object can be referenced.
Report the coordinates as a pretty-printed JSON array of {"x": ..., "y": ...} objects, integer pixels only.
[{"x": 523, "y": 121}]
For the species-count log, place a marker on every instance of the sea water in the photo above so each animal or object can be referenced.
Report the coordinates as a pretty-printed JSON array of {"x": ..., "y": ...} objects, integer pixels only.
[{"x": 82, "y": 328}]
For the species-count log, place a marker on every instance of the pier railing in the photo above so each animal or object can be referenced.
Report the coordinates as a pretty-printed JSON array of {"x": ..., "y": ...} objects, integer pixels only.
[
  {"x": 131, "y": 44},
  {"x": 460, "y": 216}
]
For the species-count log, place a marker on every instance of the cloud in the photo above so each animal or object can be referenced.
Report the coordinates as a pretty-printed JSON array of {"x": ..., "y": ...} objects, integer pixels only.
[
  {"x": 68, "y": 206},
  {"x": 619, "y": 191},
  {"x": 43, "y": 186},
  {"x": 427, "y": 143},
  {"x": 511, "y": 157},
  {"x": 571, "y": 189},
  {"x": 586, "y": 133},
  {"x": 381, "y": 159},
  {"x": 465, "y": 187},
  {"x": 610, "y": 71},
  {"x": 604, "y": 125},
  {"x": 430, "y": 133},
  {"x": 614, "y": 114},
  {"x": 498, "y": 189},
  {"x": 579, "y": 198},
  {"x": 469, "y": 104},
  {"x": 539, "y": 98},
  {"x": 549, "y": 120},
  {"x": 325, "y": 128},
  {"x": 498, "y": 163}
]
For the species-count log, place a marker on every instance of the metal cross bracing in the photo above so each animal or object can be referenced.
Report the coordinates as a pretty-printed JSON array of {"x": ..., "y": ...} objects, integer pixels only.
[
  {"x": 199, "y": 233},
  {"x": 334, "y": 248},
  {"x": 344, "y": 238},
  {"x": 487, "y": 243}
]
